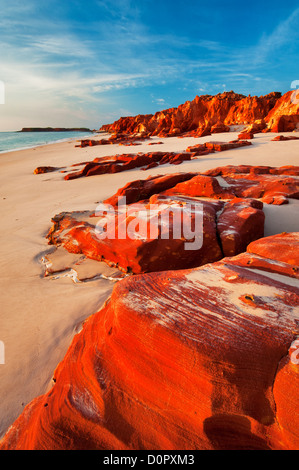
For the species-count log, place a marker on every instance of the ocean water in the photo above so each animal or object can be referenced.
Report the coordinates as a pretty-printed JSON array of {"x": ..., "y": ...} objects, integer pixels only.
[{"x": 10, "y": 141}]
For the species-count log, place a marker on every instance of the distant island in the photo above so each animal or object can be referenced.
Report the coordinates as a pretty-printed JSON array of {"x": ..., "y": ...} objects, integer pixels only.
[{"x": 56, "y": 129}]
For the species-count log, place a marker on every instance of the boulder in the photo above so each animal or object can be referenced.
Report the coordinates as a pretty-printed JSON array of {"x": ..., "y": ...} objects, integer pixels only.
[
  {"x": 44, "y": 169},
  {"x": 240, "y": 222},
  {"x": 165, "y": 233}
]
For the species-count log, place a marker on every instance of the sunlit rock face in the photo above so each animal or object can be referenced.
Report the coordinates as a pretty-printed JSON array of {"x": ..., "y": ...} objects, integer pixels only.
[
  {"x": 178, "y": 221},
  {"x": 203, "y": 116}
]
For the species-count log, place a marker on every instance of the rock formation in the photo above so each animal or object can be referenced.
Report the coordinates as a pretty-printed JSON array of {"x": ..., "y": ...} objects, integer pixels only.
[
  {"x": 136, "y": 230},
  {"x": 284, "y": 116},
  {"x": 205, "y": 358},
  {"x": 196, "y": 348},
  {"x": 45, "y": 169},
  {"x": 203, "y": 116},
  {"x": 145, "y": 161},
  {"x": 228, "y": 182}
]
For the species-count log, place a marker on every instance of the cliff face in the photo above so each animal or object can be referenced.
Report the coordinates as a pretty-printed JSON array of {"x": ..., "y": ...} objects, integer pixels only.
[
  {"x": 284, "y": 116},
  {"x": 204, "y": 115}
]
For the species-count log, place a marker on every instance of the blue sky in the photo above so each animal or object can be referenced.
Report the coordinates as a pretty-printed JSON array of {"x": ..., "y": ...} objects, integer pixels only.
[{"x": 86, "y": 63}]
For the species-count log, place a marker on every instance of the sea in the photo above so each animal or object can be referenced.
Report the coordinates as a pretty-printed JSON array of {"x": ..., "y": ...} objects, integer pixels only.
[{"x": 10, "y": 141}]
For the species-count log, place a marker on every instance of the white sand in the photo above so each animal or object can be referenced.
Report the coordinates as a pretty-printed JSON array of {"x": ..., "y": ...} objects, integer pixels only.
[{"x": 39, "y": 316}]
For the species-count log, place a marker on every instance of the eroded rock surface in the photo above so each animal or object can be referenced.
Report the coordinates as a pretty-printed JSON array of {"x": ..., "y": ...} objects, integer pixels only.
[
  {"x": 178, "y": 221},
  {"x": 204, "y": 358}
]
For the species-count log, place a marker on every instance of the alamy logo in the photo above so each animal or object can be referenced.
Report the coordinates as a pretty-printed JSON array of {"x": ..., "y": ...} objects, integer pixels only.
[
  {"x": 295, "y": 94},
  {"x": 176, "y": 221},
  {"x": 2, "y": 353},
  {"x": 2, "y": 92},
  {"x": 295, "y": 352}
]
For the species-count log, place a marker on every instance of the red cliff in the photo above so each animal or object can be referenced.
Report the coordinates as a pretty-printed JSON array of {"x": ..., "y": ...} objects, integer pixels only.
[{"x": 204, "y": 115}]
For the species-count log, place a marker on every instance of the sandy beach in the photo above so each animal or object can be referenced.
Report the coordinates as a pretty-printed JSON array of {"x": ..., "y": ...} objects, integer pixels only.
[{"x": 40, "y": 315}]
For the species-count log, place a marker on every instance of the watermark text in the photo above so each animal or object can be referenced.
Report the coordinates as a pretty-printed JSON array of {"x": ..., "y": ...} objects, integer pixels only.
[
  {"x": 175, "y": 221},
  {"x": 2, "y": 353},
  {"x": 2, "y": 92}
]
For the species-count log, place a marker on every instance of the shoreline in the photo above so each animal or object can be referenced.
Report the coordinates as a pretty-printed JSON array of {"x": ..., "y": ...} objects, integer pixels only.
[
  {"x": 40, "y": 316},
  {"x": 43, "y": 144}
]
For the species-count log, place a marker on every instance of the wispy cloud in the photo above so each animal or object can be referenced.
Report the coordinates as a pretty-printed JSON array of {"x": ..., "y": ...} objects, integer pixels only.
[{"x": 65, "y": 56}]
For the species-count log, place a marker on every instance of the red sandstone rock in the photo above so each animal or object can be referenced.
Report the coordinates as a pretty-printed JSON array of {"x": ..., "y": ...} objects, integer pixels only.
[
  {"x": 200, "y": 117},
  {"x": 124, "y": 162},
  {"x": 284, "y": 116},
  {"x": 275, "y": 200},
  {"x": 185, "y": 360},
  {"x": 210, "y": 114},
  {"x": 120, "y": 163},
  {"x": 201, "y": 186},
  {"x": 210, "y": 147},
  {"x": 240, "y": 222},
  {"x": 255, "y": 127},
  {"x": 246, "y": 136},
  {"x": 248, "y": 169},
  {"x": 137, "y": 241},
  {"x": 143, "y": 189},
  {"x": 284, "y": 138},
  {"x": 219, "y": 128},
  {"x": 198, "y": 149},
  {"x": 222, "y": 146},
  {"x": 44, "y": 169},
  {"x": 260, "y": 182},
  {"x": 283, "y": 247},
  {"x": 243, "y": 181}
]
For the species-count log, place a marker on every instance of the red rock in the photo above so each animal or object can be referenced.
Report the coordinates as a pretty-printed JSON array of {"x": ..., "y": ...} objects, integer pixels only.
[
  {"x": 198, "y": 149},
  {"x": 248, "y": 169},
  {"x": 222, "y": 146},
  {"x": 44, "y": 169},
  {"x": 260, "y": 182},
  {"x": 246, "y": 136},
  {"x": 255, "y": 127},
  {"x": 223, "y": 337},
  {"x": 285, "y": 124},
  {"x": 275, "y": 200},
  {"x": 283, "y": 247},
  {"x": 228, "y": 170},
  {"x": 142, "y": 248},
  {"x": 120, "y": 163},
  {"x": 284, "y": 116},
  {"x": 143, "y": 189},
  {"x": 244, "y": 181},
  {"x": 203, "y": 131},
  {"x": 209, "y": 114},
  {"x": 201, "y": 186},
  {"x": 285, "y": 392},
  {"x": 240, "y": 223},
  {"x": 219, "y": 128},
  {"x": 283, "y": 138}
]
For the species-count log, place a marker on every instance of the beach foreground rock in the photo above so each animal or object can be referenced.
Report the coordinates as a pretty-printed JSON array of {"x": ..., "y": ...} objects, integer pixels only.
[
  {"x": 204, "y": 358},
  {"x": 177, "y": 221},
  {"x": 124, "y": 162},
  {"x": 206, "y": 115}
]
